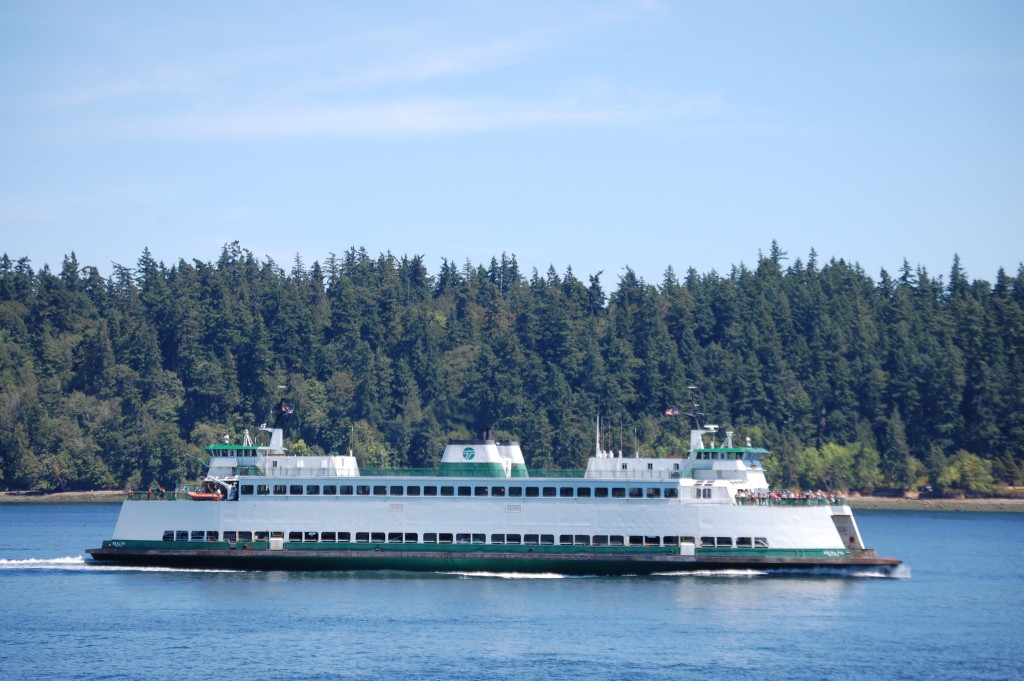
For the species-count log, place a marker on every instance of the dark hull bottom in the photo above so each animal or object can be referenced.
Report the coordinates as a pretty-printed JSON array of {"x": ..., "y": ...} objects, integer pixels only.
[{"x": 444, "y": 561}]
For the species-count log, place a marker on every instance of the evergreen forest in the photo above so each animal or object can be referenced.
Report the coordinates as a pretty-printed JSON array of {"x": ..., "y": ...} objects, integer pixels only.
[{"x": 905, "y": 381}]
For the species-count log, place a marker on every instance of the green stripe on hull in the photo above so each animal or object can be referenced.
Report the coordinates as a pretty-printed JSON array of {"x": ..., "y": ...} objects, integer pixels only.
[
  {"x": 465, "y": 558},
  {"x": 439, "y": 561}
]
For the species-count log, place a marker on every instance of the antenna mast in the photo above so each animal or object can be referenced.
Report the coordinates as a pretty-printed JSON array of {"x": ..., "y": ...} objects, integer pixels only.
[{"x": 697, "y": 415}]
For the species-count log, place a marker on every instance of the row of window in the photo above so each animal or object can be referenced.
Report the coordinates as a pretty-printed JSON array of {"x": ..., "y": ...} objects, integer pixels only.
[
  {"x": 465, "y": 538},
  {"x": 464, "y": 491},
  {"x": 727, "y": 456}
]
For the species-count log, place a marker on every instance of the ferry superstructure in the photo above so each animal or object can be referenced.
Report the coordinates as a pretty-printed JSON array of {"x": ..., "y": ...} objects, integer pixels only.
[{"x": 262, "y": 508}]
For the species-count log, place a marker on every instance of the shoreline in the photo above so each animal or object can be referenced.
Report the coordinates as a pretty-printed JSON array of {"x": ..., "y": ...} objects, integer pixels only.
[
  {"x": 987, "y": 505},
  {"x": 89, "y": 497}
]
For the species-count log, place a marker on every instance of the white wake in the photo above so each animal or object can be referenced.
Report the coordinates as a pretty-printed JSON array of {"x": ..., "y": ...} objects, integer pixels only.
[{"x": 80, "y": 563}]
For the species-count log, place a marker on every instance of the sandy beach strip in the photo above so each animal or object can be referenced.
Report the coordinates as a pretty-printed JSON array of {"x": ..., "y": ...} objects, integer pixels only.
[
  {"x": 95, "y": 496},
  {"x": 994, "y": 505}
]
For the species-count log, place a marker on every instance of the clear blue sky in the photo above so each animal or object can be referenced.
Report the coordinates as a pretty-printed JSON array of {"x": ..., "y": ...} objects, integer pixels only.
[{"x": 597, "y": 135}]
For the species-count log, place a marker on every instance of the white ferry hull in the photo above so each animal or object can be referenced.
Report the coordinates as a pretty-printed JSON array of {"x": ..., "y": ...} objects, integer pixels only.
[{"x": 482, "y": 510}]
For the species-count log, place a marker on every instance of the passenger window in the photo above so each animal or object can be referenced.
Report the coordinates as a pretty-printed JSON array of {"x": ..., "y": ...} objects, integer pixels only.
[
  {"x": 330, "y": 489},
  {"x": 601, "y": 492},
  {"x": 549, "y": 491},
  {"x": 294, "y": 536},
  {"x": 169, "y": 535},
  {"x": 618, "y": 492},
  {"x": 723, "y": 541},
  {"x": 513, "y": 539},
  {"x": 462, "y": 538},
  {"x": 515, "y": 491},
  {"x": 328, "y": 536},
  {"x": 744, "y": 542},
  {"x": 465, "y": 491},
  {"x": 565, "y": 539},
  {"x": 345, "y": 490},
  {"x": 247, "y": 489},
  {"x": 447, "y": 491},
  {"x": 653, "y": 492},
  {"x": 480, "y": 491},
  {"x": 197, "y": 535},
  {"x": 396, "y": 490},
  {"x": 672, "y": 493},
  {"x": 497, "y": 491},
  {"x": 231, "y": 535},
  {"x": 362, "y": 490},
  {"x": 411, "y": 538},
  {"x": 279, "y": 489},
  {"x": 707, "y": 541},
  {"x": 581, "y": 540},
  {"x": 531, "y": 539},
  {"x": 430, "y": 491},
  {"x": 263, "y": 489},
  {"x": 380, "y": 490},
  {"x": 636, "y": 492},
  {"x": 377, "y": 537},
  {"x": 312, "y": 489},
  {"x": 295, "y": 489},
  {"x": 565, "y": 492},
  {"x": 245, "y": 535},
  {"x": 760, "y": 543},
  {"x": 344, "y": 536},
  {"x": 395, "y": 537},
  {"x": 311, "y": 536},
  {"x": 547, "y": 539},
  {"x": 445, "y": 538},
  {"x": 497, "y": 539},
  {"x": 363, "y": 537},
  {"x": 583, "y": 492},
  {"x": 430, "y": 537},
  {"x": 413, "y": 490},
  {"x": 532, "y": 491}
]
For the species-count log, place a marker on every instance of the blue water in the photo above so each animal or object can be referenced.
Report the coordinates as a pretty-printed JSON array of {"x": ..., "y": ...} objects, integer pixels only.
[{"x": 956, "y": 614}]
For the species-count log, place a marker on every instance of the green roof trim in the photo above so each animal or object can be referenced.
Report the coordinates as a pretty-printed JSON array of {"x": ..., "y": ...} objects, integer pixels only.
[
  {"x": 229, "y": 447},
  {"x": 472, "y": 470}
]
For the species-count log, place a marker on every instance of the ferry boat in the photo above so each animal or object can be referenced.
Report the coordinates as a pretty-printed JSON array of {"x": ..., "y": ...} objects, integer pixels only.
[{"x": 483, "y": 510}]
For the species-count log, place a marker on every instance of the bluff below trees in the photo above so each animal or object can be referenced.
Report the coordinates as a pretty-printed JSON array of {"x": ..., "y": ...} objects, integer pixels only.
[{"x": 852, "y": 383}]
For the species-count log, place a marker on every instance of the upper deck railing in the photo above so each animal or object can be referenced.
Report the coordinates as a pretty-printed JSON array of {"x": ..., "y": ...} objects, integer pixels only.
[
  {"x": 779, "y": 498},
  {"x": 155, "y": 495}
]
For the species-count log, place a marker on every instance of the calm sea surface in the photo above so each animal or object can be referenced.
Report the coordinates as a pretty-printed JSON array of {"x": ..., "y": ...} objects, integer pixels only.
[{"x": 957, "y": 614}]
